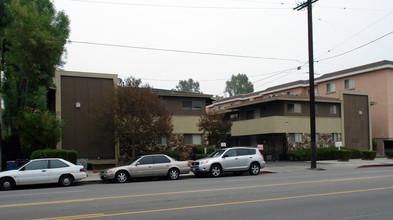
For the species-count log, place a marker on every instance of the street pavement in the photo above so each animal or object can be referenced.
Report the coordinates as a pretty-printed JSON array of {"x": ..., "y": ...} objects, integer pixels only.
[{"x": 298, "y": 166}]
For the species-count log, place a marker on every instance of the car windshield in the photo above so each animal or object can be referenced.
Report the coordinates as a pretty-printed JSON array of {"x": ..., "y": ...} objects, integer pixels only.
[
  {"x": 133, "y": 161},
  {"x": 217, "y": 153}
]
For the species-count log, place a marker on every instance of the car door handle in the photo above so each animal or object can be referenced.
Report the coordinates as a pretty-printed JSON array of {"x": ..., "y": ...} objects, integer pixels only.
[
  {"x": 43, "y": 171},
  {"x": 236, "y": 158}
]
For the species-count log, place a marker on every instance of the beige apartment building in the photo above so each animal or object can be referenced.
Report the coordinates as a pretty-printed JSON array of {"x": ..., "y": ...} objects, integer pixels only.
[{"x": 374, "y": 79}]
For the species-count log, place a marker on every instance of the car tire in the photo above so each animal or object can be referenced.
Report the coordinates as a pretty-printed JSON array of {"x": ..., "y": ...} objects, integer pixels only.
[
  {"x": 173, "y": 174},
  {"x": 7, "y": 184},
  {"x": 254, "y": 169},
  {"x": 215, "y": 170},
  {"x": 66, "y": 180},
  {"x": 121, "y": 176}
]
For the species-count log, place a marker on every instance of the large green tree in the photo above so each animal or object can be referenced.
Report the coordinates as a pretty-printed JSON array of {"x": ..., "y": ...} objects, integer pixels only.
[
  {"x": 238, "y": 84},
  {"x": 36, "y": 35},
  {"x": 188, "y": 86},
  {"x": 135, "y": 114}
]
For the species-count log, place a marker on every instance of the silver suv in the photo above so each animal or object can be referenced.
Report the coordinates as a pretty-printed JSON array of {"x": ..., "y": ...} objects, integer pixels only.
[{"x": 235, "y": 159}]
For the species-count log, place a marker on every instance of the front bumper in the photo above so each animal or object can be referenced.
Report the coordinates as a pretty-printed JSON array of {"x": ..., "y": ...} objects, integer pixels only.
[
  {"x": 200, "y": 169},
  {"x": 106, "y": 176}
]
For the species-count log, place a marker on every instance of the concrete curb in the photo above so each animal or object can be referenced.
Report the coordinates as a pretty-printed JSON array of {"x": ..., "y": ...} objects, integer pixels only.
[{"x": 376, "y": 165}]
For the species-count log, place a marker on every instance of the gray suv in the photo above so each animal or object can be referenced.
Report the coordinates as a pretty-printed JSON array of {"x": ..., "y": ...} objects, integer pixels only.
[{"x": 235, "y": 159}]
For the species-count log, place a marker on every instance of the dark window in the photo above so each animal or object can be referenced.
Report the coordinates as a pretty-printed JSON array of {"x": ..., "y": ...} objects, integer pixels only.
[
  {"x": 294, "y": 107},
  {"x": 250, "y": 114},
  {"x": 57, "y": 164},
  {"x": 242, "y": 152},
  {"x": 231, "y": 153},
  {"x": 195, "y": 106},
  {"x": 161, "y": 159},
  {"x": 146, "y": 160},
  {"x": 37, "y": 165},
  {"x": 251, "y": 151}
]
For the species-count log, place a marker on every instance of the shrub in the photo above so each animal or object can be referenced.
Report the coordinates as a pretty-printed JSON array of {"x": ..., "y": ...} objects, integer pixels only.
[
  {"x": 323, "y": 153},
  {"x": 199, "y": 151},
  {"x": 343, "y": 155},
  {"x": 368, "y": 155},
  {"x": 174, "y": 154},
  {"x": 389, "y": 153},
  {"x": 69, "y": 155}
]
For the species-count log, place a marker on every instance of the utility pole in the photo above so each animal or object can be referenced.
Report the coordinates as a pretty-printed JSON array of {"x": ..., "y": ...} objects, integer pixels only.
[{"x": 308, "y": 4}]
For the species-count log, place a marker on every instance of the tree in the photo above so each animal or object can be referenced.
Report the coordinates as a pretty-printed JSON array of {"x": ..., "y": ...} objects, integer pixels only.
[
  {"x": 36, "y": 34},
  {"x": 239, "y": 85},
  {"x": 135, "y": 114},
  {"x": 188, "y": 86},
  {"x": 214, "y": 126}
]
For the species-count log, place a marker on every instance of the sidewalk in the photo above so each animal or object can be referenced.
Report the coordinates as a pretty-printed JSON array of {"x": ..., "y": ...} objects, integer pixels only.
[{"x": 299, "y": 166}]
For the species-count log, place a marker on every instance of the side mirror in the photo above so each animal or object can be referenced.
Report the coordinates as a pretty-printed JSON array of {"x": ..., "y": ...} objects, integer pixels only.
[
  {"x": 137, "y": 163},
  {"x": 225, "y": 155}
]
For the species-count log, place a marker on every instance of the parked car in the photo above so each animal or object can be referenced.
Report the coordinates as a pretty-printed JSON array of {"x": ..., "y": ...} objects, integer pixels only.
[
  {"x": 40, "y": 171},
  {"x": 157, "y": 165},
  {"x": 235, "y": 159}
]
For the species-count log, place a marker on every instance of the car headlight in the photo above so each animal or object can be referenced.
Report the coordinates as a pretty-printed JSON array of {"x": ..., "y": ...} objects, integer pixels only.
[
  {"x": 204, "y": 162},
  {"x": 109, "y": 171}
]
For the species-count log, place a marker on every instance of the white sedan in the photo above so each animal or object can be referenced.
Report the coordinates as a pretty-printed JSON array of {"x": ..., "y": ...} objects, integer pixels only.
[{"x": 41, "y": 171}]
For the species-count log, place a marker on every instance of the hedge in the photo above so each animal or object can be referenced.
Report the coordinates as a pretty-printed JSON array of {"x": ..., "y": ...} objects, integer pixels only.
[
  {"x": 343, "y": 155},
  {"x": 69, "y": 155},
  {"x": 389, "y": 153},
  {"x": 323, "y": 153},
  {"x": 199, "y": 151},
  {"x": 368, "y": 155}
]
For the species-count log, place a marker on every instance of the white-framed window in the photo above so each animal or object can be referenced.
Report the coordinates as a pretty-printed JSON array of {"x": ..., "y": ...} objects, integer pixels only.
[
  {"x": 295, "y": 137},
  {"x": 333, "y": 109},
  {"x": 294, "y": 107},
  {"x": 192, "y": 139},
  {"x": 234, "y": 117},
  {"x": 334, "y": 137},
  {"x": 315, "y": 92},
  {"x": 330, "y": 87},
  {"x": 163, "y": 140},
  {"x": 349, "y": 83},
  {"x": 290, "y": 93}
]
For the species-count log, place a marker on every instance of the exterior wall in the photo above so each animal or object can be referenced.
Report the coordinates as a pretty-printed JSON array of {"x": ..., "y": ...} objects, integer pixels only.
[
  {"x": 285, "y": 124},
  {"x": 80, "y": 132},
  {"x": 184, "y": 124}
]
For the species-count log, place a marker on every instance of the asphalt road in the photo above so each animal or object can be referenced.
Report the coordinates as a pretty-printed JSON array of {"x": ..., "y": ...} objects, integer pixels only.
[{"x": 349, "y": 194}]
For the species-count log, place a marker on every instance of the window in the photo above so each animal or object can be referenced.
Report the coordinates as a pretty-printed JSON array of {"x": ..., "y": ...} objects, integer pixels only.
[
  {"x": 234, "y": 117},
  {"x": 315, "y": 92},
  {"x": 294, "y": 107},
  {"x": 290, "y": 93},
  {"x": 316, "y": 137},
  {"x": 57, "y": 164},
  {"x": 146, "y": 160},
  {"x": 316, "y": 108},
  {"x": 250, "y": 114},
  {"x": 295, "y": 137},
  {"x": 330, "y": 87},
  {"x": 195, "y": 106},
  {"x": 37, "y": 165},
  {"x": 231, "y": 153},
  {"x": 162, "y": 140},
  {"x": 349, "y": 84},
  {"x": 161, "y": 159},
  {"x": 334, "y": 137},
  {"x": 243, "y": 152},
  {"x": 192, "y": 139},
  {"x": 333, "y": 109}
]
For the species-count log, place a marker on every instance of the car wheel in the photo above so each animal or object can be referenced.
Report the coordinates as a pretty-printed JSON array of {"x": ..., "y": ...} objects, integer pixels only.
[
  {"x": 121, "y": 176},
  {"x": 215, "y": 170},
  {"x": 65, "y": 180},
  {"x": 7, "y": 184},
  {"x": 254, "y": 169},
  {"x": 173, "y": 174}
]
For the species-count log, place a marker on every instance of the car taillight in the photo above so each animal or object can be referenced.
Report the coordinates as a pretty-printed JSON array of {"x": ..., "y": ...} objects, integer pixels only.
[
  {"x": 188, "y": 164},
  {"x": 82, "y": 170},
  {"x": 261, "y": 156}
]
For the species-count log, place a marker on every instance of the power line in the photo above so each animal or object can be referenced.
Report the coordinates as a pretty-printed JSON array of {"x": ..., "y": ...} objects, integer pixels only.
[
  {"x": 356, "y": 47},
  {"x": 185, "y": 51}
]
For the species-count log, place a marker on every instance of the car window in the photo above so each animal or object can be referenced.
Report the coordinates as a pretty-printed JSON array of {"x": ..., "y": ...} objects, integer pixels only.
[
  {"x": 37, "y": 165},
  {"x": 242, "y": 152},
  {"x": 146, "y": 160},
  {"x": 217, "y": 153},
  {"x": 251, "y": 151},
  {"x": 57, "y": 164},
  {"x": 161, "y": 159},
  {"x": 231, "y": 153}
]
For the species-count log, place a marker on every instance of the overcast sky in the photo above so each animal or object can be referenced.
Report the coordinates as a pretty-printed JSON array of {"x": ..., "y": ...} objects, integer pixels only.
[{"x": 164, "y": 41}]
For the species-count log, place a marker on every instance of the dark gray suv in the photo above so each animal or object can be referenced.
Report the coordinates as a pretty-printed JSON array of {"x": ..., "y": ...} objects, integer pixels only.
[{"x": 235, "y": 159}]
